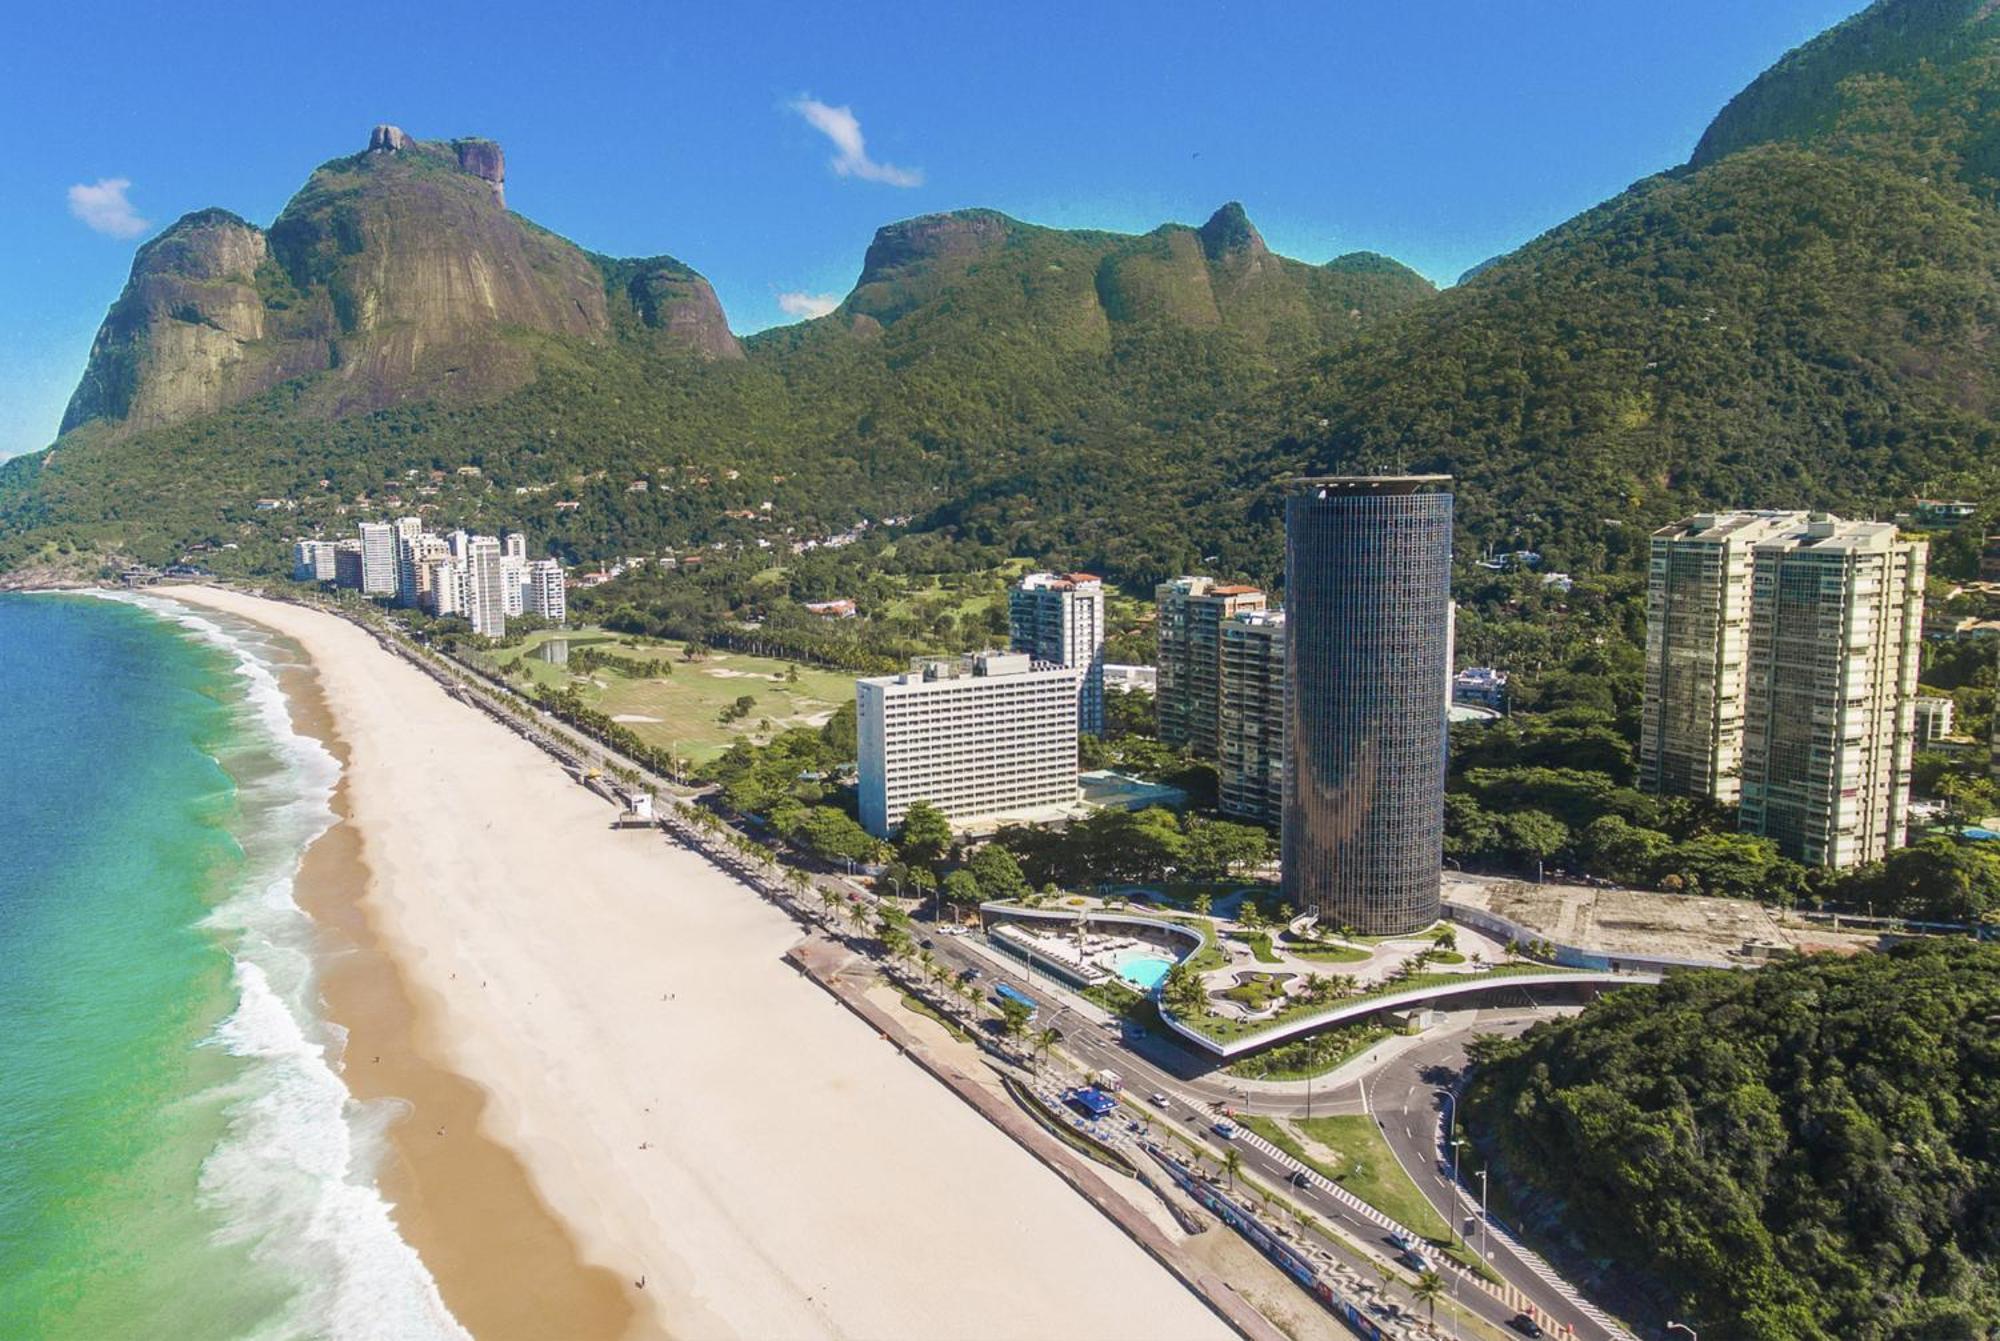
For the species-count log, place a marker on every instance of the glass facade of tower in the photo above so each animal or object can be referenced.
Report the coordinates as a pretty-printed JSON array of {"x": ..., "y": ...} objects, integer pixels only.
[{"x": 1368, "y": 638}]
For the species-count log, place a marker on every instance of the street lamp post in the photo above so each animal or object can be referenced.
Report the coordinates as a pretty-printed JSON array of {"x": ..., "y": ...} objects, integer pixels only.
[
  {"x": 1482, "y": 1215},
  {"x": 1683, "y": 1327}
]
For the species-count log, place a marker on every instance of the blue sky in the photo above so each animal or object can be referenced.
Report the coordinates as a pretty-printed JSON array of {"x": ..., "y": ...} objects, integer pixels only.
[{"x": 1440, "y": 133}]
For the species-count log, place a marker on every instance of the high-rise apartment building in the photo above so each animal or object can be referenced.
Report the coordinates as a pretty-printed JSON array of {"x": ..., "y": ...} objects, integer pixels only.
[
  {"x": 1836, "y": 619},
  {"x": 1059, "y": 618},
  {"x": 416, "y": 558},
  {"x": 1367, "y": 644},
  {"x": 984, "y": 737},
  {"x": 314, "y": 561},
  {"x": 1251, "y": 759},
  {"x": 1189, "y": 686},
  {"x": 378, "y": 559},
  {"x": 444, "y": 587},
  {"x": 513, "y": 584},
  {"x": 486, "y": 604},
  {"x": 514, "y": 545},
  {"x": 1697, "y": 650},
  {"x": 408, "y": 531},
  {"x": 545, "y": 593},
  {"x": 347, "y": 564}
]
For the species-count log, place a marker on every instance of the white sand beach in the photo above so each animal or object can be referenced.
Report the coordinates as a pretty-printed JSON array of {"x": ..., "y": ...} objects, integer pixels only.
[{"x": 691, "y": 1109}]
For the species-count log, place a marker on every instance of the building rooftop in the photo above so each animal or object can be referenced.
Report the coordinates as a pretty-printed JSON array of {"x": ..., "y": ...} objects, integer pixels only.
[
  {"x": 1748, "y": 523},
  {"x": 1368, "y": 484}
]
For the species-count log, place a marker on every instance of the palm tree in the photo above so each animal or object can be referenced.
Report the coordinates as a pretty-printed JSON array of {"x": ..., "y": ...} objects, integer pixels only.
[
  {"x": 1428, "y": 1289},
  {"x": 1045, "y": 1038},
  {"x": 1232, "y": 1163}
]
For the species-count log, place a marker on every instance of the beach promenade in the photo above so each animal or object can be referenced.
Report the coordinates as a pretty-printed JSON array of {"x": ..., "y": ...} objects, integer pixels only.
[{"x": 693, "y": 1113}]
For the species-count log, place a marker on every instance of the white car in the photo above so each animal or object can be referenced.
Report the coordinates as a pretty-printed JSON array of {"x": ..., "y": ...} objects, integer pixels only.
[{"x": 1157, "y": 1100}]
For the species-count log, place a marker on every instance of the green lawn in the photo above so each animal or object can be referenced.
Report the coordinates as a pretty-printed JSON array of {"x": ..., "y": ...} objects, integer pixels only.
[
  {"x": 1259, "y": 991},
  {"x": 924, "y": 1008},
  {"x": 1370, "y": 1172},
  {"x": 1224, "y": 1030},
  {"x": 1328, "y": 954},
  {"x": 1288, "y": 1061},
  {"x": 679, "y": 711},
  {"x": 1260, "y": 946}
]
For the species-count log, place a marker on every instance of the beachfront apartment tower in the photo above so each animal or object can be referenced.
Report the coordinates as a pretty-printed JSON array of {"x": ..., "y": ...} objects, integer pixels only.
[
  {"x": 1697, "y": 651},
  {"x": 1059, "y": 618},
  {"x": 486, "y": 601},
  {"x": 545, "y": 593},
  {"x": 314, "y": 561},
  {"x": 408, "y": 531},
  {"x": 1188, "y": 696},
  {"x": 416, "y": 558},
  {"x": 1368, "y": 661},
  {"x": 378, "y": 559},
  {"x": 986, "y": 737},
  {"x": 1836, "y": 619},
  {"x": 1251, "y": 761}
]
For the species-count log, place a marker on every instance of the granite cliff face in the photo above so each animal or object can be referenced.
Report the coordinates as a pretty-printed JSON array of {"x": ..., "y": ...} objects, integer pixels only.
[
  {"x": 394, "y": 274},
  {"x": 185, "y": 337}
]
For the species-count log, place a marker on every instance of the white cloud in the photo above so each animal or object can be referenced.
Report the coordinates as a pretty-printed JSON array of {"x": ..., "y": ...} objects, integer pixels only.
[
  {"x": 808, "y": 304},
  {"x": 839, "y": 125},
  {"x": 104, "y": 208}
]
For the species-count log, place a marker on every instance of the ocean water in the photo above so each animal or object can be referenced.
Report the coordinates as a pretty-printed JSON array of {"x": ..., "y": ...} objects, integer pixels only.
[{"x": 178, "y": 1156}]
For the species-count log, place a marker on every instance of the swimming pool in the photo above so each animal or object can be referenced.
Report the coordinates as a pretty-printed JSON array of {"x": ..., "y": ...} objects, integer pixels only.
[{"x": 1144, "y": 971}]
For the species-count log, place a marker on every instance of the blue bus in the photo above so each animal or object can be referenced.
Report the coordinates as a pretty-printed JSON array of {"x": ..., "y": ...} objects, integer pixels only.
[{"x": 1002, "y": 992}]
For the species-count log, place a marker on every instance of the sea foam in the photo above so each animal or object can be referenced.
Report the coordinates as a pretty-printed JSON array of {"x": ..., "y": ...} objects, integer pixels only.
[{"x": 293, "y": 1176}]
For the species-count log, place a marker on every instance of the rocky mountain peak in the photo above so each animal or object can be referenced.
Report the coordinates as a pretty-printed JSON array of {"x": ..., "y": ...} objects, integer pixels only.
[
  {"x": 387, "y": 139},
  {"x": 931, "y": 238},
  {"x": 1229, "y": 232},
  {"x": 484, "y": 160}
]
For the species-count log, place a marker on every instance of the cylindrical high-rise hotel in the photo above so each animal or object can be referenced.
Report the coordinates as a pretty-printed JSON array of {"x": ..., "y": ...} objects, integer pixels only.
[{"x": 1368, "y": 625}]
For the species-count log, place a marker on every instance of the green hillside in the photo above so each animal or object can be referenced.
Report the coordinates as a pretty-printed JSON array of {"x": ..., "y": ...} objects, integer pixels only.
[
  {"x": 1802, "y": 316},
  {"x": 1804, "y": 1153}
]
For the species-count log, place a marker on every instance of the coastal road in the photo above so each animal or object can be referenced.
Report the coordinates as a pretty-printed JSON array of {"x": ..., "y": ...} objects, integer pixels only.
[
  {"x": 1407, "y": 1097},
  {"x": 1401, "y": 1094}
]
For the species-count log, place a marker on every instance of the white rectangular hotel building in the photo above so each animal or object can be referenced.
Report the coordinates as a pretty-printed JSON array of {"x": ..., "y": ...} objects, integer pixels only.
[{"x": 981, "y": 738}]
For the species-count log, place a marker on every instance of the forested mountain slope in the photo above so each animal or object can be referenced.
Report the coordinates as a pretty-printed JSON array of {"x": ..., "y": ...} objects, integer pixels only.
[
  {"x": 1802, "y": 316},
  {"x": 1802, "y": 1153}
]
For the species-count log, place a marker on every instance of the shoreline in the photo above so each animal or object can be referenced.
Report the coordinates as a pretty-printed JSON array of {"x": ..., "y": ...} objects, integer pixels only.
[
  {"x": 505, "y": 1265},
  {"x": 691, "y": 1110}
]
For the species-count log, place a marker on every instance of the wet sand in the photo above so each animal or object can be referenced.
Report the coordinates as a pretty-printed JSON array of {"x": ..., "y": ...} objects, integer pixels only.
[{"x": 506, "y": 1266}]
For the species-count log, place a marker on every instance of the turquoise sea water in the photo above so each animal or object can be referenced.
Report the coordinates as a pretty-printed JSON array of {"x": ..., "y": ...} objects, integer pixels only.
[{"x": 178, "y": 1157}]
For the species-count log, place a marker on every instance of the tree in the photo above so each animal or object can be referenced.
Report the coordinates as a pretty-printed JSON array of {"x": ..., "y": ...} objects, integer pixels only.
[
  {"x": 1014, "y": 1017},
  {"x": 1181, "y": 991},
  {"x": 1232, "y": 1163},
  {"x": 1220, "y": 850},
  {"x": 926, "y": 835},
  {"x": 1046, "y": 1038},
  {"x": 1428, "y": 1290},
  {"x": 996, "y": 873},
  {"x": 1203, "y": 902},
  {"x": 960, "y": 889},
  {"x": 1533, "y": 836}
]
